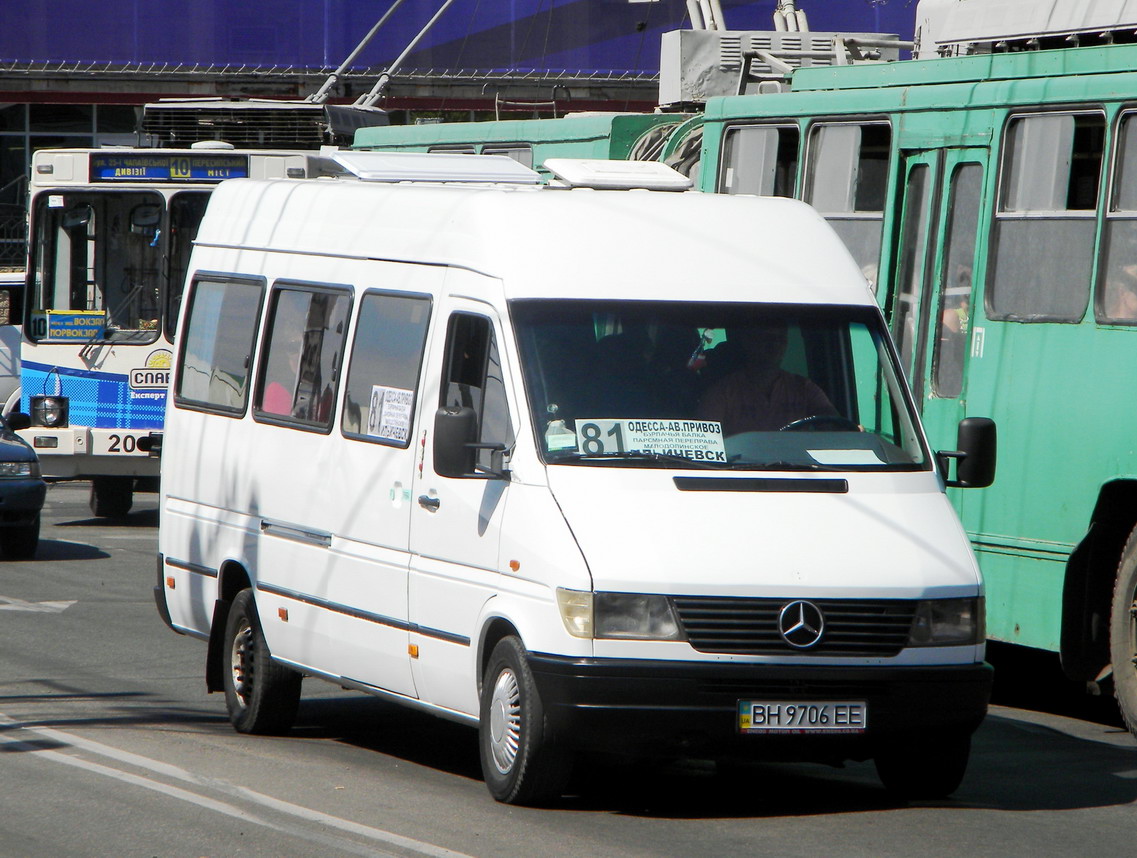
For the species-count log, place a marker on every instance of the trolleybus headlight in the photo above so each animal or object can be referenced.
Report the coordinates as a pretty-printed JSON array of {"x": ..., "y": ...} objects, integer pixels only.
[
  {"x": 627, "y": 616},
  {"x": 948, "y": 622},
  {"x": 50, "y": 411}
]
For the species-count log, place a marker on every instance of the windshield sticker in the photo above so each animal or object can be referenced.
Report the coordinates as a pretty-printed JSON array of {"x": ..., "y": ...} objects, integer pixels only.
[
  {"x": 389, "y": 416},
  {"x": 698, "y": 440},
  {"x": 846, "y": 457}
]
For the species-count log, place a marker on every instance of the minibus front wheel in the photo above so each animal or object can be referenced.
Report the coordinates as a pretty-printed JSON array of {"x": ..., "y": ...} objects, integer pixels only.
[
  {"x": 518, "y": 764},
  {"x": 928, "y": 767},
  {"x": 261, "y": 695}
]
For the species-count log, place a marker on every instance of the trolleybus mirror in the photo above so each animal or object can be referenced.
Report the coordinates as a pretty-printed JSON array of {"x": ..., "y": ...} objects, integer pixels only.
[
  {"x": 78, "y": 216},
  {"x": 144, "y": 219}
]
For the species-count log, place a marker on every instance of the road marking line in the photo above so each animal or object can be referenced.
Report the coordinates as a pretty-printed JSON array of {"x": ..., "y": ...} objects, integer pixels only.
[
  {"x": 307, "y": 814},
  {"x": 8, "y": 603}
]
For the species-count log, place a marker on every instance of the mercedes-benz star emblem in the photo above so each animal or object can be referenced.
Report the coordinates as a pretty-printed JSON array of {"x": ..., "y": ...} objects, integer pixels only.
[{"x": 801, "y": 624}]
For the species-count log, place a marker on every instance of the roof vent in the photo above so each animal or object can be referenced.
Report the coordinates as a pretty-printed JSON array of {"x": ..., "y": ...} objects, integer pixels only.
[
  {"x": 434, "y": 167},
  {"x": 617, "y": 175}
]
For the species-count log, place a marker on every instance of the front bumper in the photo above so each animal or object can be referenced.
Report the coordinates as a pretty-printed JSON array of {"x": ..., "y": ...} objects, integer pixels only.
[
  {"x": 657, "y": 708},
  {"x": 21, "y": 501}
]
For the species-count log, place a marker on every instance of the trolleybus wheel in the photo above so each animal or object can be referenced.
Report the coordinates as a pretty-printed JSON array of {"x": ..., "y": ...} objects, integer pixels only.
[
  {"x": 518, "y": 764},
  {"x": 261, "y": 695},
  {"x": 1123, "y": 634},
  {"x": 931, "y": 767},
  {"x": 111, "y": 497}
]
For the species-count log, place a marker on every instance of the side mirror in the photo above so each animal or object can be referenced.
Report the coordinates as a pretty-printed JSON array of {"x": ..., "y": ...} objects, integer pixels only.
[
  {"x": 151, "y": 444},
  {"x": 17, "y": 420},
  {"x": 455, "y": 429},
  {"x": 456, "y": 445},
  {"x": 976, "y": 444}
]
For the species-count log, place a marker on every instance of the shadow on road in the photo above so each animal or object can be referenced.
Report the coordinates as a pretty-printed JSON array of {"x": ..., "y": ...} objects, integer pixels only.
[
  {"x": 141, "y": 518},
  {"x": 1016, "y": 766},
  {"x": 57, "y": 550}
]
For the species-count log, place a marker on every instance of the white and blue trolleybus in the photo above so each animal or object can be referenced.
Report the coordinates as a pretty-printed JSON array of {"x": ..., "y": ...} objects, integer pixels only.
[{"x": 111, "y": 232}]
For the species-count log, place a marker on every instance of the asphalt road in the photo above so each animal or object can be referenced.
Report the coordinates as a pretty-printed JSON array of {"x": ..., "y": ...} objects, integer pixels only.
[{"x": 109, "y": 745}]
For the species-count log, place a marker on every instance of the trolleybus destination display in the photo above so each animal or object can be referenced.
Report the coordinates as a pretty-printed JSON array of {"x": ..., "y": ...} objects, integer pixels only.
[{"x": 153, "y": 167}]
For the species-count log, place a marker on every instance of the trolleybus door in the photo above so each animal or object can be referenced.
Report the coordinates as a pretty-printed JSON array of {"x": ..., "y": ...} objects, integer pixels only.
[{"x": 931, "y": 306}]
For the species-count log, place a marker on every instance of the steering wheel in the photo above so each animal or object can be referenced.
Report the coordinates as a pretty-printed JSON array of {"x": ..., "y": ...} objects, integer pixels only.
[{"x": 822, "y": 423}]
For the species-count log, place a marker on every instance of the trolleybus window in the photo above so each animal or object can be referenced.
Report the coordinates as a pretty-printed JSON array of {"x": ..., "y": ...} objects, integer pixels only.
[
  {"x": 520, "y": 153},
  {"x": 906, "y": 321},
  {"x": 760, "y": 159},
  {"x": 303, "y": 352},
  {"x": 97, "y": 267},
  {"x": 846, "y": 177},
  {"x": 1117, "y": 284},
  {"x": 386, "y": 359},
  {"x": 186, "y": 210},
  {"x": 957, "y": 280},
  {"x": 1044, "y": 226}
]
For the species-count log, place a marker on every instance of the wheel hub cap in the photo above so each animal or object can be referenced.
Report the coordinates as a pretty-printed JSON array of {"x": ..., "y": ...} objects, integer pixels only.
[{"x": 505, "y": 721}]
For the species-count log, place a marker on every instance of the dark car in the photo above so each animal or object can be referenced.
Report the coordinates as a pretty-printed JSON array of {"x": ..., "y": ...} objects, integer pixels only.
[{"x": 22, "y": 491}]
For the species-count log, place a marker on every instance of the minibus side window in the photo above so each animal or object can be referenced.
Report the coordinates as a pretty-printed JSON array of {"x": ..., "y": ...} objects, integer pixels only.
[
  {"x": 302, "y": 356},
  {"x": 473, "y": 379},
  {"x": 217, "y": 346},
  {"x": 386, "y": 360}
]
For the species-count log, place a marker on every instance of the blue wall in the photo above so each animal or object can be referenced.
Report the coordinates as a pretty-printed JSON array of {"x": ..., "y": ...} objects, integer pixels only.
[{"x": 575, "y": 35}]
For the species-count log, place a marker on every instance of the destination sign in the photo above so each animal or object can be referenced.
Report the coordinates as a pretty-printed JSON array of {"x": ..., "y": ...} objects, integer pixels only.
[{"x": 157, "y": 167}]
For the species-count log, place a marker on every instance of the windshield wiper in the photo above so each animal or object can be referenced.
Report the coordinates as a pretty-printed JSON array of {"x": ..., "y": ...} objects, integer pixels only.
[
  {"x": 639, "y": 456},
  {"x": 783, "y": 466}
]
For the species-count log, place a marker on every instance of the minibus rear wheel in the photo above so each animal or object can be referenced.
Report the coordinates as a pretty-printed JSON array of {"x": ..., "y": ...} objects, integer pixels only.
[
  {"x": 261, "y": 695},
  {"x": 518, "y": 764},
  {"x": 1123, "y": 634}
]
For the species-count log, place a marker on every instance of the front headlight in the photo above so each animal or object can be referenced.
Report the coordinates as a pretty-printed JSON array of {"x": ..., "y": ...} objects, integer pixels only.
[
  {"x": 948, "y": 622},
  {"x": 25, "y": 470},
  {"x": 50, "y": 411},
  {"x": 620, "y": 616}
]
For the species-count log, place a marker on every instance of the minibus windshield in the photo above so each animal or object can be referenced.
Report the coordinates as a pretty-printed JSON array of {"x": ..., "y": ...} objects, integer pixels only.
[{"x": 791, "y": 387}]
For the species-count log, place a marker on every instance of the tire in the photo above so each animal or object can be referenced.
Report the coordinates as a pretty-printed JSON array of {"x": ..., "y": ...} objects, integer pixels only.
[
  {"x": 1123, "y": 634},
  {"x": 261, "y": 695},
  {"x": 111, "y": 497},
  {"x": 924, "y": 768},
  {"x": 518, "y": 764},
  {"x": 20, "y": 543}
]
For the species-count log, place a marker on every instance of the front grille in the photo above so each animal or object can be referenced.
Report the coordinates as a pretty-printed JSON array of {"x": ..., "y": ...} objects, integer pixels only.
[{"x": 853, "y": 627}]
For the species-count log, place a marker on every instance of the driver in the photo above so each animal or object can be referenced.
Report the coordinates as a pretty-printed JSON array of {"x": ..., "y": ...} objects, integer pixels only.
[{"x": 760, "y": 396}]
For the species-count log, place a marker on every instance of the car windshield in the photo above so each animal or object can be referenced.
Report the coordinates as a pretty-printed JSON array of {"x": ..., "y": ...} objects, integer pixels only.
[{"x": 714, "y": 385}]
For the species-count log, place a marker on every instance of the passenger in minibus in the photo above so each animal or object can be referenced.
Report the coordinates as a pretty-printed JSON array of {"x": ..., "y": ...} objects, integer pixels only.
[{"x": 760, "y": 396}]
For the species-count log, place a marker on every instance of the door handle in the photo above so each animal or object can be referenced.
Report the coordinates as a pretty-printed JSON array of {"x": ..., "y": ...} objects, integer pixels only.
[{"x": 427, "y": 502}]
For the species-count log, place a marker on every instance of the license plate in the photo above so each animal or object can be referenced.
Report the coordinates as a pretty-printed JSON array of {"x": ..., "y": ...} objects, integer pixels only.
[{"x": 802, "y": 716}]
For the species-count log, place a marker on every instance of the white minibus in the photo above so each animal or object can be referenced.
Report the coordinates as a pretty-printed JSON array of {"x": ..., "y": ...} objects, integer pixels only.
[{"x": 598, "y": 466}]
